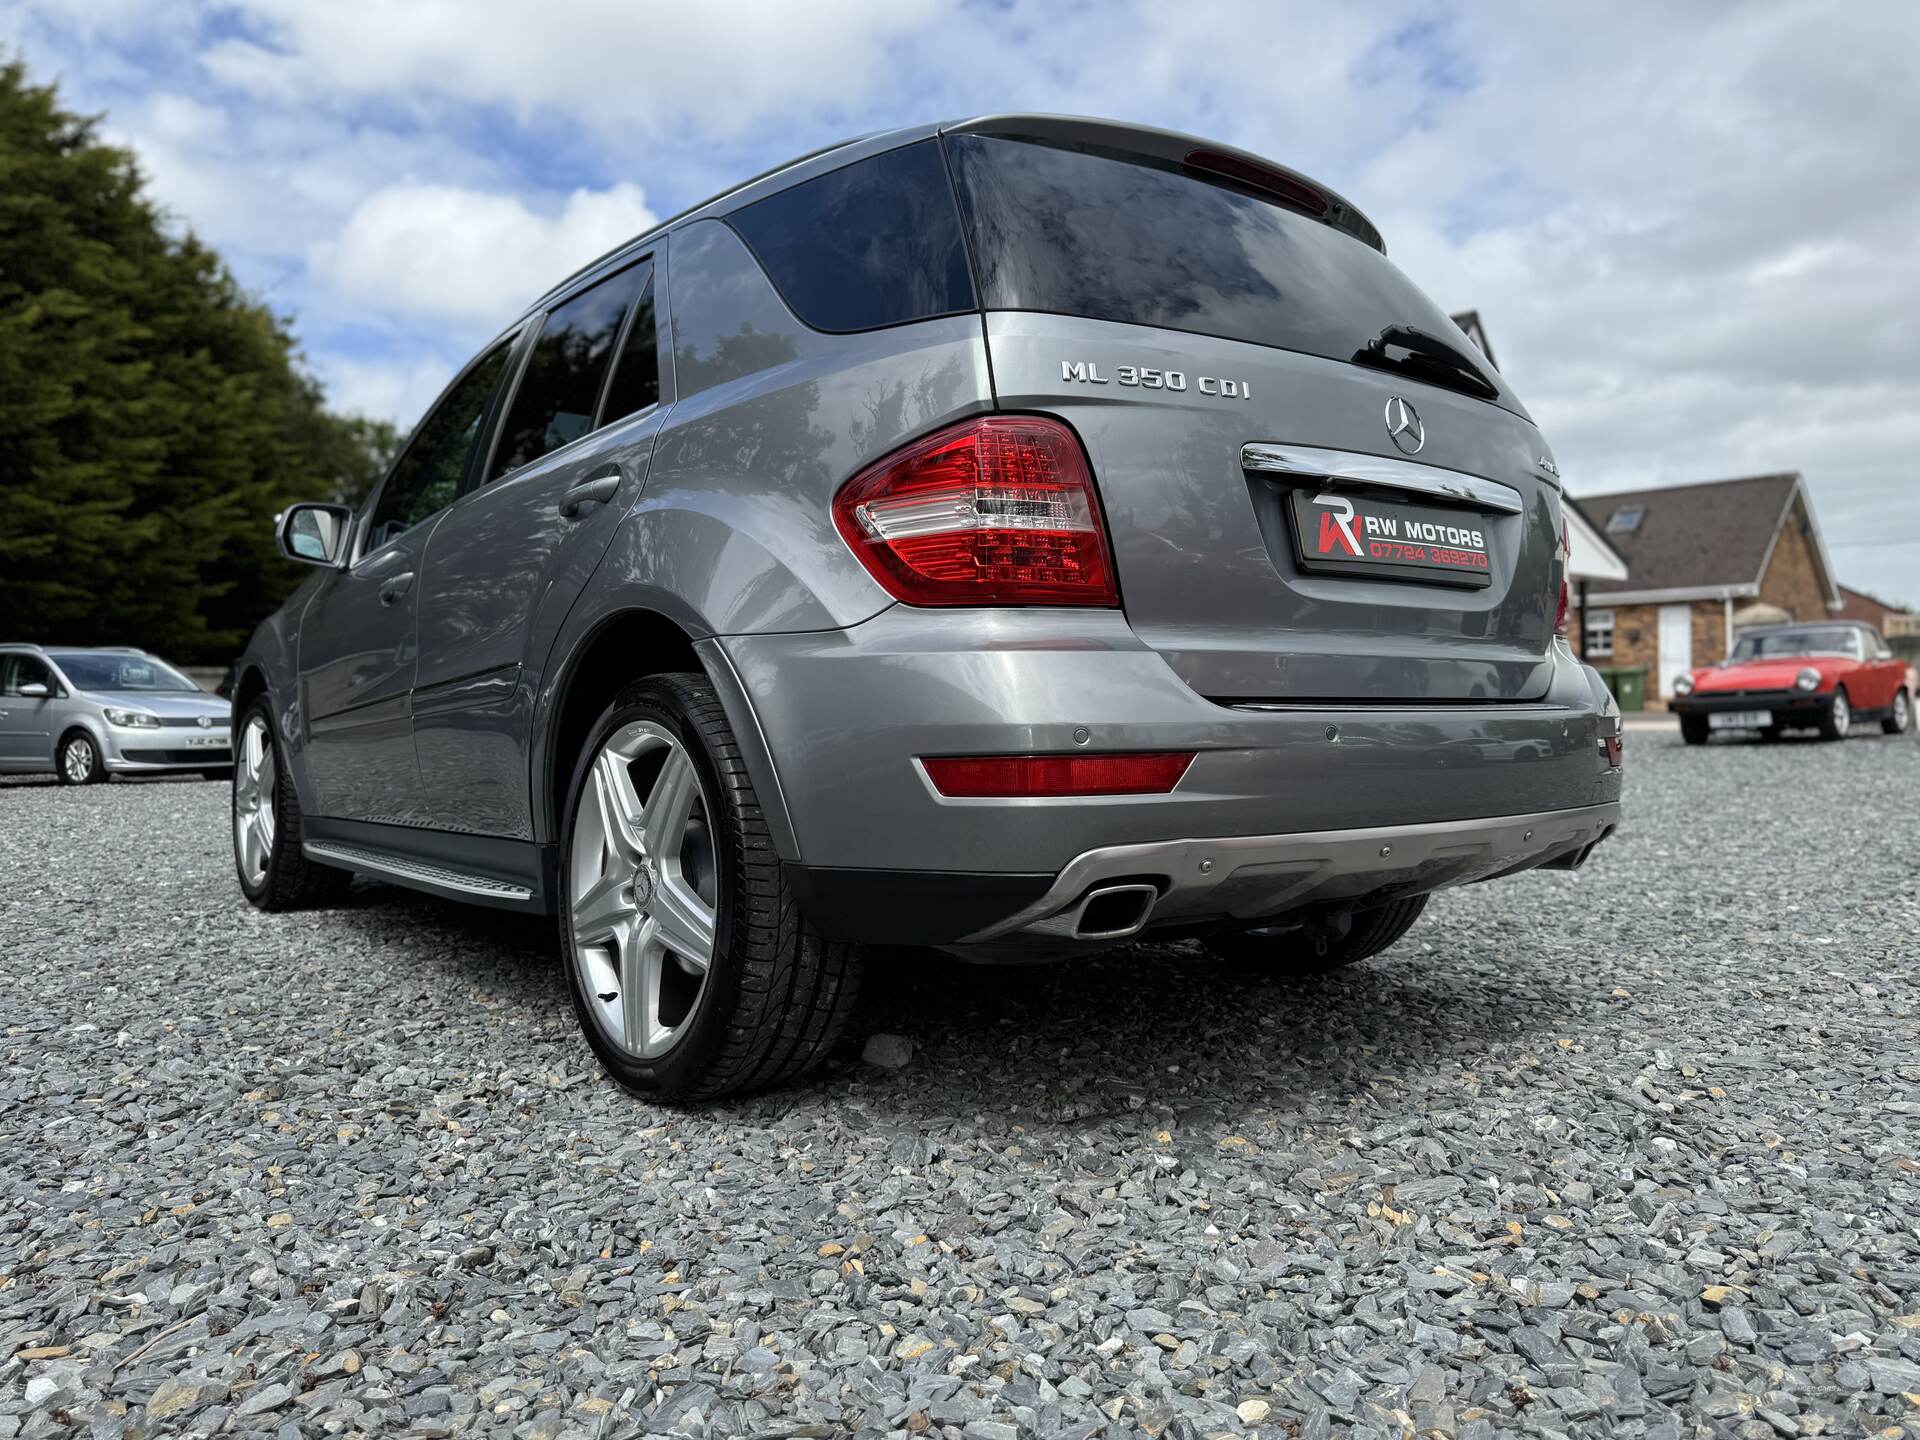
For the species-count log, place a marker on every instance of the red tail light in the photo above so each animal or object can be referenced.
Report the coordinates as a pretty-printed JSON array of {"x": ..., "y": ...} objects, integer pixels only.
[
  {"x": 1563, "y": 557},
  {"x": 994, "y": 511},
  {"x": 975, "y": 776}
]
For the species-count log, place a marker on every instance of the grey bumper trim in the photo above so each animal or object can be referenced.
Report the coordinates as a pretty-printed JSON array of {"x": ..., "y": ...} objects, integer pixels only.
[{"x": 1251, "y": 877}]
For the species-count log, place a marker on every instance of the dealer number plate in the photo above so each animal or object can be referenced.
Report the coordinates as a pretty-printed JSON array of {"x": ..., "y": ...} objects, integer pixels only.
[
  {"x": 1338, "y": 534},
  {"x": 1740, "y": 720}
]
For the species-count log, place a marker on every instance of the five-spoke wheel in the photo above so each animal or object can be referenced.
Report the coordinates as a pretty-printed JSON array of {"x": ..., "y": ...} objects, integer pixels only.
[
  {"x": 691, "y": 971},
  {"x": 642, "y": 888},
  {"x": 254, "y": 783}
]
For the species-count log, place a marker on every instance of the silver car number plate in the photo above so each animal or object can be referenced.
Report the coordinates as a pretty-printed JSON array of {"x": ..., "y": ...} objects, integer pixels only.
[{"x": 1740, "y": 720}]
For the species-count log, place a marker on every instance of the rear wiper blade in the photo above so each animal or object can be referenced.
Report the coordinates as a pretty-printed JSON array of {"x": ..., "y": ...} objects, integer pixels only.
[{"x": 1427, "y": 356}]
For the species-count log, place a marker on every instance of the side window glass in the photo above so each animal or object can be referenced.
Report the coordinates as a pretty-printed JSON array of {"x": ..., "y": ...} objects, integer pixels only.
[
  {"x": 636, "y": 378},
  {"x": 561, "y": 384},
  {"x": 25, "y": 670},
  {"x": 427, "y": 478},
  {"x": 873, "y": 243}
]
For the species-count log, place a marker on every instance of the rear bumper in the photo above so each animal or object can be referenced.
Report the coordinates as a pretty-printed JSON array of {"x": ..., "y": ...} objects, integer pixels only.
[
  {"x": 840, "y": 719},
  {"x": 1192, "y": 882}
]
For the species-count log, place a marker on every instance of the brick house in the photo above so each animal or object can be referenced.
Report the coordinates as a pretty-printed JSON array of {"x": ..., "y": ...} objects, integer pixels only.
[
  {"x": 1872, "y": 610},
  {"x": 1701, "y": 560}
]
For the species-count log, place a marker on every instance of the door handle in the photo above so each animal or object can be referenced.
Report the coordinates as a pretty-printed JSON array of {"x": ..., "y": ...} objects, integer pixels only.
[
  {"x": 596, "y": 489},
  {"x": 394, "y": 586}
]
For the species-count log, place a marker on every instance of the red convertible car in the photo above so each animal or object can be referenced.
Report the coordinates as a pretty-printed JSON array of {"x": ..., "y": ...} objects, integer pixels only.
[{"x": 1825, "y": 676}]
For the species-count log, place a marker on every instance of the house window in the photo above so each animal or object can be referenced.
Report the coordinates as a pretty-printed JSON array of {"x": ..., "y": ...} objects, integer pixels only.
[
  {"x": 1599, "y": 644},
  {"x": 1626, "y": 519}
]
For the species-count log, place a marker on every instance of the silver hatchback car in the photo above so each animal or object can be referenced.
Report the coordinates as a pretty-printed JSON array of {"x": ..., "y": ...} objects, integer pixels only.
[
  {"x": 85, "y": 715},
  {"x": 1013, "y": 536}
]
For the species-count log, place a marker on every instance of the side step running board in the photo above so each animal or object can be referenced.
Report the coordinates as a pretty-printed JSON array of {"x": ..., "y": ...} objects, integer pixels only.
[{"x": 417, "y": 872}]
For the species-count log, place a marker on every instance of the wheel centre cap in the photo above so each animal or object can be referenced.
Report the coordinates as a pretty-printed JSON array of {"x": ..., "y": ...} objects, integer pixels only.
[{"x": 643, "y": 883}]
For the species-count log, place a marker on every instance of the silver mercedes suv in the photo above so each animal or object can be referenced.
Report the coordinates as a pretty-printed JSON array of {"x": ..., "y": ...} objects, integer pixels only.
[
  {"x": 1015, "y": 536},
  {"x": 89, "y": 714}
]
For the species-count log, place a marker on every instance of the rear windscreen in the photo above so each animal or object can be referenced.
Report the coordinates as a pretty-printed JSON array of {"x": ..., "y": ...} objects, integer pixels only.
[{"x": 1078, "y": 233}]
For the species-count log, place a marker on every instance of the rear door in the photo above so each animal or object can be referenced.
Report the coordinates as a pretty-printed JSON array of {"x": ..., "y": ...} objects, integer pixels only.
[
  {"x": 1311, "y": 498},
  {"x": 357, "y": 651},
  {"x": 503, "y": 568}
]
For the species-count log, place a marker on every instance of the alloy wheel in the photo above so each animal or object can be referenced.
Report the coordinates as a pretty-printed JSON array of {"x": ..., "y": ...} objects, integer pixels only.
[
  {"x": 76, "y": 760},
  {"x": 643, "y": 889},
  {"x": 254, "y": 778},
  {"x": 1900, "y": 712},
  {"x": 1842, "y": 714}
]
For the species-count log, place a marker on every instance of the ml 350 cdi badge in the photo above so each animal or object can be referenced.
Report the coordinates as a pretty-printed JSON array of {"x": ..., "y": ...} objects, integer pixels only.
[{"x": 1015, "y": 537}]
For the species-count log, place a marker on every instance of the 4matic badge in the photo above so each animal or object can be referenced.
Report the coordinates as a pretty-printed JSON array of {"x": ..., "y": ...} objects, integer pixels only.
[{"x": 1087, "y": 372}]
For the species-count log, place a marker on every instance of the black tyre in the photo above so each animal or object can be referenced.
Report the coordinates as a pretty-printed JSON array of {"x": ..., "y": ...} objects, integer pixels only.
[
  {"x": 1836, "y": 720},
  {"x": 1899, "y": 717},
  {"x": 1293, "y": 950},
  {"x": 274, "y": 873},
  {"x": 1694, "y": 729},
  {"x": 78, "y": 759},
  {"x": 692, "y": 971}
]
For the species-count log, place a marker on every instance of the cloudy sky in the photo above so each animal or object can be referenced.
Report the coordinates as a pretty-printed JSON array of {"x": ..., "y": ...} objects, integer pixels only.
[{"x": 1691, "y": 230}]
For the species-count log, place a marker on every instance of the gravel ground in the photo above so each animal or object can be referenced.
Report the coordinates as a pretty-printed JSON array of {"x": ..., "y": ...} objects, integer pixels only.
[{"x": 1629, "y": 1152}]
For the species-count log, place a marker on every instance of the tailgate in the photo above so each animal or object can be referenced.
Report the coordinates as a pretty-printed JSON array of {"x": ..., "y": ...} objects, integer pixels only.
[{"x": 1239, "y": 480}]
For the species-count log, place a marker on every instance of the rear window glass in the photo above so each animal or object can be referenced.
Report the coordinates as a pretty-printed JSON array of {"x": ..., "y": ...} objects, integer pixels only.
[
  {"x": 871, "y": 244},
  {"x": 1077, "y": 233}
]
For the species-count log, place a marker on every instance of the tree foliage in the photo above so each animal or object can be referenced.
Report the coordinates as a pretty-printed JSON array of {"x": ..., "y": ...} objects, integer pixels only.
[{"x": 153, "y": 417}]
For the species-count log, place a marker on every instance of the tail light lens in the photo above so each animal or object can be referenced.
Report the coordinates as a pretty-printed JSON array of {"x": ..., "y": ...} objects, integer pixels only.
[
  {"x": 977, "y": 776},
  {"x": 994, "y": 511},
  {"x": 1562, "y": 557}
]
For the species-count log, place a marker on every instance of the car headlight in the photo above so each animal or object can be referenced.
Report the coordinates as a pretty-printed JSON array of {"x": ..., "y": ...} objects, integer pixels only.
[
  {"x": 1683, "y": 685},
  {"x": 1807, "y": 679},
  {"x": 131, "y": 719}
]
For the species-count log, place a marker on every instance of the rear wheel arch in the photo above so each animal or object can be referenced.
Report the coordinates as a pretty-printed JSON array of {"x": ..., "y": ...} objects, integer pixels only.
[{"x": 625, "y": 646}]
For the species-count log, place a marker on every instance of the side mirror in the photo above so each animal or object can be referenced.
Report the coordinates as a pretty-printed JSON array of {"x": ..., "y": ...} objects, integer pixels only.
[
  {"x": 34, "y": 690},
  {"x": 314, "y": 534}
]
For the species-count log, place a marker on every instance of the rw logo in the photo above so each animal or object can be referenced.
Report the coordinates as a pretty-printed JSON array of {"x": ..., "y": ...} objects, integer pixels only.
[{"x": 1336, "y": 525}]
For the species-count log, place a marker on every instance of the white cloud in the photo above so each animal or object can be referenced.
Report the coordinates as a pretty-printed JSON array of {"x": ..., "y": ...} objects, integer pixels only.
[
  {"x": 612, "y": 64},
  {"x": 388, "y": 390},
  {"x": 471, "y": 256}
]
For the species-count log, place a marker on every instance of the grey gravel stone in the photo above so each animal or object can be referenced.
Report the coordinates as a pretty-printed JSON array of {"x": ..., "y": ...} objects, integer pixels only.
[
  {"x": 889, "y": 1052},
  {"x": 352, "y": 1172}
]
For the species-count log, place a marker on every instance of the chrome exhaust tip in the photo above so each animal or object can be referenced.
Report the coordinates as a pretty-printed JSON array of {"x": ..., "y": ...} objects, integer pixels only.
[{"x": 1113, "y": 912}]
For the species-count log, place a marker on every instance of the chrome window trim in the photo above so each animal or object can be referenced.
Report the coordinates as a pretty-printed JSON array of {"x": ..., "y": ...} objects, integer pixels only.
[{"x": 1310, "y": 462}]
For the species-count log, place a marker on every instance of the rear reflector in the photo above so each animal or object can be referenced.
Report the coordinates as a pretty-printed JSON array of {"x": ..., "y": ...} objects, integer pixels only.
[
  {"x": 976, "y": 776},
  {"x": 994, "y": 511}
]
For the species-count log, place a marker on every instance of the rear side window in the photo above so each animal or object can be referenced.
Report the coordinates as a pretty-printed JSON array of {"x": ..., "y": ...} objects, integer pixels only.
[
  {"x": 636, "y": 379},
  {"x": 1129, "y": 239},
  {"x": 871, "y": 244},
  {"x": 428, "y": 474},
  {"x": 560, "y": 387}
]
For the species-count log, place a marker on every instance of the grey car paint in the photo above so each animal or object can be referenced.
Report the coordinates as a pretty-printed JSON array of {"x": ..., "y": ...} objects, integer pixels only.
[
  {"x": 430, "y": 726},
  {"x": 32, "y": 728}
]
